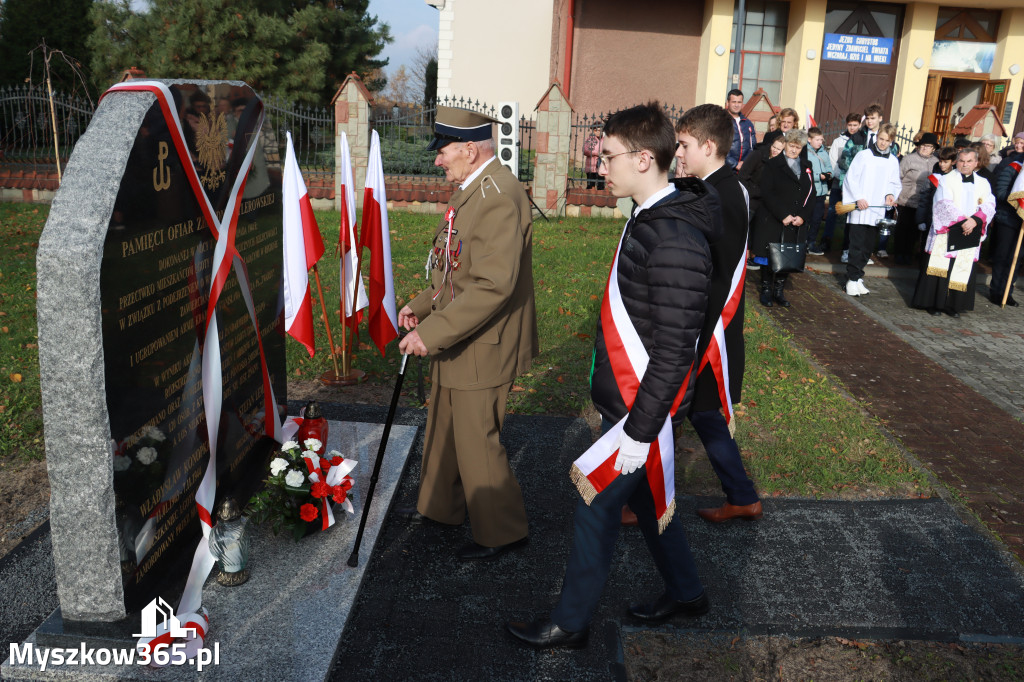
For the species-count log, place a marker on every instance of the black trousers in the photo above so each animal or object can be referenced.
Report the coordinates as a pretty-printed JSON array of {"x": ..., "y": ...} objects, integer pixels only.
[
  {"x": 1005, "y": 241},
  {"x": 907, "y": 235},
  {"x": 862, "y": 242}
]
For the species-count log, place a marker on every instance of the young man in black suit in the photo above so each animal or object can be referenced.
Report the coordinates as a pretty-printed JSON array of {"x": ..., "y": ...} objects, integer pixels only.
[{"x": 703, "y": 136}]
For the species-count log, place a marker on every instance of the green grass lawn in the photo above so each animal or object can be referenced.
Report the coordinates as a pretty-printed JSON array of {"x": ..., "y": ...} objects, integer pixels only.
[{"x": 798, "y": 433}]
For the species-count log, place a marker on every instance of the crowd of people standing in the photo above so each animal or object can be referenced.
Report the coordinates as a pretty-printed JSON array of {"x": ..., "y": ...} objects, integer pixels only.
[{"x": 933, "y": 205}]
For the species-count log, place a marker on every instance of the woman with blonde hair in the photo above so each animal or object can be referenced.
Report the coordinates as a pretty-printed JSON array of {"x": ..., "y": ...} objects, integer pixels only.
[{"x": 788, "y": 120}]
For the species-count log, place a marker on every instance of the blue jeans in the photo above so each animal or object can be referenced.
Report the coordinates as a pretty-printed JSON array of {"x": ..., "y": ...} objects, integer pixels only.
[{"x": 595, "y": 530}]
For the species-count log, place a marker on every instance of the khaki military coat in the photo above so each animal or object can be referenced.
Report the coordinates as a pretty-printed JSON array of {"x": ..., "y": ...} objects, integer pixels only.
[{"x": 487, "y": 334}]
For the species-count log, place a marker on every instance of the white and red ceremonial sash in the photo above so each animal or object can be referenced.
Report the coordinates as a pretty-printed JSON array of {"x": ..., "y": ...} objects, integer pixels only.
[
  {"x": 716, "y": 354},
  {"x": 353, "y": 295},
  {"x": 303, "y": 247},
  {"x": 595, "y": 469},
  {"x": 225, "y": 259},
  {"x": 376, "y": 236}
]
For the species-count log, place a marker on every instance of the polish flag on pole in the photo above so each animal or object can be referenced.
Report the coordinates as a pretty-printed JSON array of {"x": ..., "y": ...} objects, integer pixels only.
[
  {"x": 302, "y": 249},
  {"x": 811, "y": 123},
  {"x": 351, "y": 281},
  {"x": 375, "y": 235}
]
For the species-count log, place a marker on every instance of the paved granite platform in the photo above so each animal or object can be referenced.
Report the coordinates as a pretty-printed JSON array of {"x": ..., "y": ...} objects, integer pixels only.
[{"x": 285, "y": 622}]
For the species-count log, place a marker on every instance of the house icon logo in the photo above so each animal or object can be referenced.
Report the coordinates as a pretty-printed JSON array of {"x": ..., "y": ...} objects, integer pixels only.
[{"x": 158, "y": 617}]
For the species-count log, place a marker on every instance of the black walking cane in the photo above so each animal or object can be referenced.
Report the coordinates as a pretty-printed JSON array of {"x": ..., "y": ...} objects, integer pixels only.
[{"x": 353, "y": 560}]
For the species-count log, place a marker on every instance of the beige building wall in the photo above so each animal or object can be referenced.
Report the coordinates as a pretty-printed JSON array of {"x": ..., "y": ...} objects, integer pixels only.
[
  {"x": 912, "y": 67},
  {"x": 713, "y": 68},
  {"x": 803, "y": 56},
  {"x": 1009, "y": 58},
  {"x": 502, "y": 51}
]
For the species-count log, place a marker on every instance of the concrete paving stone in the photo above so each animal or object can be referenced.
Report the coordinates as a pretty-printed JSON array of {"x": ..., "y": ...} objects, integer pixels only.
[{"x": 969, "y": 376}]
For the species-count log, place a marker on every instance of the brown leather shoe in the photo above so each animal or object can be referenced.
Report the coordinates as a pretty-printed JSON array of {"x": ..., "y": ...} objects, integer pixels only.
[{"x": 727, "y": 511}]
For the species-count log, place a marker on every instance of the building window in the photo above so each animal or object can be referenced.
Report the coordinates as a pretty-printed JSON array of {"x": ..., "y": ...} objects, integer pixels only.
[{"x": 761, "y": 58}]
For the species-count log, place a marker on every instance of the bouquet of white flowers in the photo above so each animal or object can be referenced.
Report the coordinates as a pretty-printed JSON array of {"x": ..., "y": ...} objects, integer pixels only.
[{"x": 302, "y": 488}]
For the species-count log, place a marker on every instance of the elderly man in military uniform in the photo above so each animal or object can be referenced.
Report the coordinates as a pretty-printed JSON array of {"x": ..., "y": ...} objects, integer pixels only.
[{"x": 477, "y": 322}]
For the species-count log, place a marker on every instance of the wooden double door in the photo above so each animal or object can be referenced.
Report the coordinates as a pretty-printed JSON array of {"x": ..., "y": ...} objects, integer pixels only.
[
  {"x": 845, "y": 87},
  {"x": 941, "y": 96}
]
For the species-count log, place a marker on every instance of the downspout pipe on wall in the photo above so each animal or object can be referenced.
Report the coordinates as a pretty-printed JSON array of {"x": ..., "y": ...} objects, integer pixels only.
[
  {"x": 741, "y": 11},
  {"x": 570, "y": 25}
]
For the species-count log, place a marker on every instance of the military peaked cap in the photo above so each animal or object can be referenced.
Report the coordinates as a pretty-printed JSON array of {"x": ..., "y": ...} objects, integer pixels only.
[{"x": 459, "y": 125}]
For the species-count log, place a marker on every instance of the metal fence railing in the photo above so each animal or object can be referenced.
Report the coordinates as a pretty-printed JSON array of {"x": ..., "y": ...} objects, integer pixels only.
[
  {"x": 27, "y": 128},
  {"x": 580, "y": 129},
  {"x": 312, "y": 130},
  {"x": 905, "y": 136}
]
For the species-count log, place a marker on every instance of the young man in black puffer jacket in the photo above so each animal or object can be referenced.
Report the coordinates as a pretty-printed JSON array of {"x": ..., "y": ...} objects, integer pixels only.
[{"x": 650, "y": 321}]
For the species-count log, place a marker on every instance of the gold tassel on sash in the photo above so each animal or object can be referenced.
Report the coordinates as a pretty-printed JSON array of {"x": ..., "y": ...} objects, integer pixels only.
[
  {"x": 583, "y": 484},
  {"x": 666, "y": 517}
]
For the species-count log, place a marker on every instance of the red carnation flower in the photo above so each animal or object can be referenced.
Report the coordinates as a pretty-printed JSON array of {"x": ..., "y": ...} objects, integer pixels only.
[
  {"x": 325, "y": 464},
  {"x": 336, "y": 460},
  {"x": 319, "y": 489},
  {"x": 308, "y": 512},
  {"x": 340, "y": 494}
]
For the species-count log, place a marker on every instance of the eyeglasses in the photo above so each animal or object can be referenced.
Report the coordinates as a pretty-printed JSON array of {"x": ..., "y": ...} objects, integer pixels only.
[{"x": 606, "y": 158}]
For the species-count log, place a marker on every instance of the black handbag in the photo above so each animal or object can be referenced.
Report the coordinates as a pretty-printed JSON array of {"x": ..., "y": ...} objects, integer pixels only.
[{"x": 784, "y": 257}]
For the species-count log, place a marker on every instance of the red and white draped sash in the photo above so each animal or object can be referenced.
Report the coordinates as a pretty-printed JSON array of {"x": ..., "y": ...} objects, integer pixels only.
[
  {"x": 594, "y": 470},
  {"x": 717, "y": 352},
  {"x": 225, "y": 258}
]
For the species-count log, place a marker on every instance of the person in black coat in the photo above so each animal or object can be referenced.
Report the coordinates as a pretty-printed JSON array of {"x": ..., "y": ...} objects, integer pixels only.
[
  {"x": 1005, "y": 228},
  {"x": 703, "y": 135},
  {"x": 653, "y": 311},
  {"x": 750, "y": 174},
  {"x": 787, "y": 193}
]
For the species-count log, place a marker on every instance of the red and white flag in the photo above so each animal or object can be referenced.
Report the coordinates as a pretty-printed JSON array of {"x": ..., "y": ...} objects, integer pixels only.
[
  {"x": 303, "y": 247},
  {"x": 811, "y": 123},
  {"x": 375, "y": 235},
  {"x": 1016, "y": 197},
  {"x": 353, "y": 294}
]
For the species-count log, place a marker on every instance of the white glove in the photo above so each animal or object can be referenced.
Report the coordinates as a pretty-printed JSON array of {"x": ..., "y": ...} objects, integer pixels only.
[
  {"x": 923, "y": 227},
  {"x": 632, "y": 455}
]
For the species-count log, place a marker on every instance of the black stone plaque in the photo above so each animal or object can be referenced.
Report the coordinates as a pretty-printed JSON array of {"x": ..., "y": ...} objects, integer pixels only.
[{"x": 155, "y": 288}]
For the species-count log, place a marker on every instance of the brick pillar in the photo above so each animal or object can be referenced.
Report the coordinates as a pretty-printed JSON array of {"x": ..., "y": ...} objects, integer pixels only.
[
  {"x": 553, "y": 128},
  {"x": 352, "y": 116}
]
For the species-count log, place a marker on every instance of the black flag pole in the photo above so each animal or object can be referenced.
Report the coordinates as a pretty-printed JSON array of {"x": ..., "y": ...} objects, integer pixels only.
[{"x": 353, "y": 560}]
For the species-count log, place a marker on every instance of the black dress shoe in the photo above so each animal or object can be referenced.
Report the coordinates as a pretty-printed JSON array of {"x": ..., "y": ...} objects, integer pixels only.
[
  {"x": 1011, "y": 302},
  {"x": 544, "y": 634},
  {"x": 934, "y": 313},
  {"x": 410, "y": 513},
  {"x": 664, "y": 607},
  {"x": 475, "y": 552},
  {"x": 953, "y": 313}
]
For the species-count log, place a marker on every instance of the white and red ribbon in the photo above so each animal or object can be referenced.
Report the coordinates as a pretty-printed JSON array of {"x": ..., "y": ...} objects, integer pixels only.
[
  {"x": 225, "y": 258},
  {"x": 594, "y": 470},
  {"x": 717, "y": 352}
]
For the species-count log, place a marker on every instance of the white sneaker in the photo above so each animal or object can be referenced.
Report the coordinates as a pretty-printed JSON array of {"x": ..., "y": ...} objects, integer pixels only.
[
  {"x": 845, "y": 257},
  {"x": 882, "y": 253},
  {"x": 870, "y": 262},
  {"x": 860, "y": 286},
  {"x": 851, "y": 288}
]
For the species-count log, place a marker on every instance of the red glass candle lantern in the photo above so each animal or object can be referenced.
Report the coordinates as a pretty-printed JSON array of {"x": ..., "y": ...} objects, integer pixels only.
[{"x": 313, "y": 425}]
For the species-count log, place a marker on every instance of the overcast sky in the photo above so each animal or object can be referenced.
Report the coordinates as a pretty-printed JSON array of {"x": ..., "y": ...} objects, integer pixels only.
[{"x": 413, "y": 24}]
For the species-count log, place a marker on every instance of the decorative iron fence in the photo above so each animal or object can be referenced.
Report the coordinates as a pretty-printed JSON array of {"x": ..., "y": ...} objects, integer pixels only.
[
  {"x": 581, "y": 126},
  {"x": 312, "y": 130},
  {"x": 405, "y": 132},
  {"x": 27, "y": 128}
]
